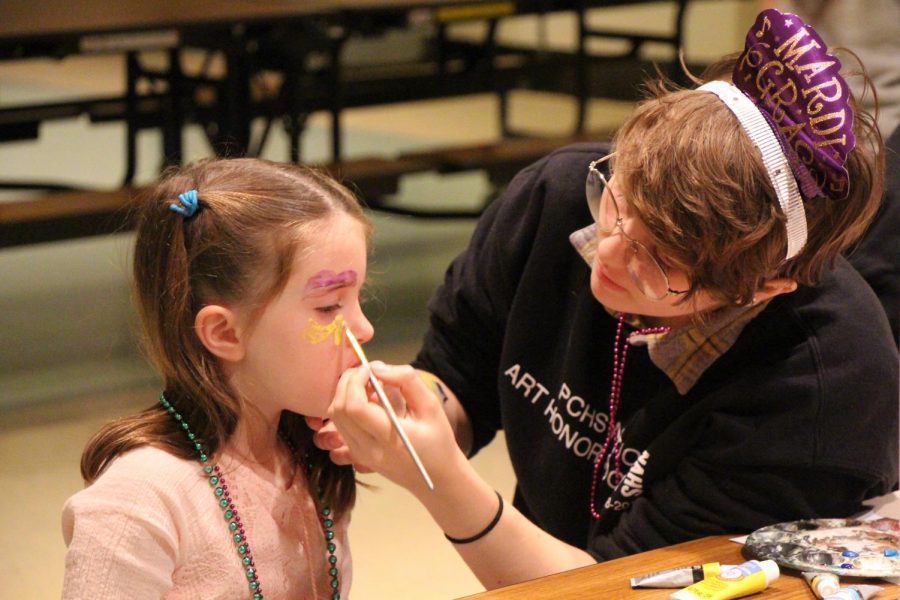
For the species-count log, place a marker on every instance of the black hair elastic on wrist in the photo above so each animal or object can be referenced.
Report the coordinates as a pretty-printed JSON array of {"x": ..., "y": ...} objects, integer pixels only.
[{"x": 483, "y": 532}]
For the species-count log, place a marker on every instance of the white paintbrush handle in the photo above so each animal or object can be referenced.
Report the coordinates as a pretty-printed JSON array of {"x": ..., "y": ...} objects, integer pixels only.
[{"x": 382, "y": 397}]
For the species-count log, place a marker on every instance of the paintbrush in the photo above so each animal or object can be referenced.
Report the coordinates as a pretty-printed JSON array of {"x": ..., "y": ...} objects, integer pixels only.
[{"x": 379, "y": 391}]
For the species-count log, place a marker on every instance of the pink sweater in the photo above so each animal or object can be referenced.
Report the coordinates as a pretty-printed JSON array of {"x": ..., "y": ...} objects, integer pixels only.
[{"x": 150, "y": 527}]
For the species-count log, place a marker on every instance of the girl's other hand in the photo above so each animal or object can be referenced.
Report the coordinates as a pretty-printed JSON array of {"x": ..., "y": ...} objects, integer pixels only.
[
  {"x": 372, "y": 439},
  {"x": 328, "y": 438}
]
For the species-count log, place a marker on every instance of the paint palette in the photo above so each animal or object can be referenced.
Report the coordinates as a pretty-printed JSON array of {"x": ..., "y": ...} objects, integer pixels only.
[{"x": 846, "y": 547}]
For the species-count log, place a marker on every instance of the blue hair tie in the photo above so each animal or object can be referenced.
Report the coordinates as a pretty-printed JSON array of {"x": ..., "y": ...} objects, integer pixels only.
[{"x": 189, "y": 204}]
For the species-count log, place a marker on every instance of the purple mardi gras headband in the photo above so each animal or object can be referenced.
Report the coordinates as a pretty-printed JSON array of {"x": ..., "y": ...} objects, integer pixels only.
[
  {"x": 794, "y": 106},
  {"x": 788, "y": 73}
]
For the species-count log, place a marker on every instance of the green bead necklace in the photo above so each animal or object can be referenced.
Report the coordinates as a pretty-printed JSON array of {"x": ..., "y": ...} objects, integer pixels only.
[{"x": 233, "y": 520}]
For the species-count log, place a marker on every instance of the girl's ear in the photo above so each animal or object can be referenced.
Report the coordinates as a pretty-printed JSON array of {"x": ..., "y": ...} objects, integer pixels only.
[
  {"x": 217, "y": 328},
  {"x": 774, "y": 287}
]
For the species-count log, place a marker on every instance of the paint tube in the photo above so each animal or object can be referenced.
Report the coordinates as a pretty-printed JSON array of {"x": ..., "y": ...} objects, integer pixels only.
[
  {"x": 678, "y": 577},
  {"x": 855, "y": 592},
  {"x": 744, "y": 579},
  {"x": 822, "y": 584}
]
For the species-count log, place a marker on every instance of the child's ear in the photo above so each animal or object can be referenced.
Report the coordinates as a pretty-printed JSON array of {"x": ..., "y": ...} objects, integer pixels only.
[{"x": 217, "y": 328}]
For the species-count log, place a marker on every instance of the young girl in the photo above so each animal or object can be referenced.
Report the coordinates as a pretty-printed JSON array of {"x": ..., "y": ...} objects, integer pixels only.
[
  {"x": 717, "y": 367},
  {"x": 245, "y": 272}
]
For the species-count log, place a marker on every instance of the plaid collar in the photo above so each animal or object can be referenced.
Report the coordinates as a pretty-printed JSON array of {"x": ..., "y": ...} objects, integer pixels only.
[{"x": 683, "y": 354}]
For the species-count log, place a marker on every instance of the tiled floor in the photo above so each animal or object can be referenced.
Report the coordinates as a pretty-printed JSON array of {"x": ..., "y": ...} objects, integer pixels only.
[{"x": 67, "y": 362}]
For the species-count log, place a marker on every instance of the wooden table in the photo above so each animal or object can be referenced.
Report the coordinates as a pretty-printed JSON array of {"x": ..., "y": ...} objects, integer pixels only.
[{"x": 610, "y": 580}]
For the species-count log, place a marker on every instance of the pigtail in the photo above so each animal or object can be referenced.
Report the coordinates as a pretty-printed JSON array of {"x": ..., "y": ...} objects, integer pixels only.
[
  {"x": 166, "y": 306},
  {"x": 193, "y": 380},
  {"x": 156, "y": 264}
]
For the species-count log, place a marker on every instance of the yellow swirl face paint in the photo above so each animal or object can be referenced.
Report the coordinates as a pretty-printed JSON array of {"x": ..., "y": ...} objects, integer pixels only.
[{"x": 316, "y": 334}]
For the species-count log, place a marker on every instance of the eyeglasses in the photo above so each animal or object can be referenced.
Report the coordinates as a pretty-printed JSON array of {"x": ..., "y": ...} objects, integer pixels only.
[{"x": 644, "y": 269}]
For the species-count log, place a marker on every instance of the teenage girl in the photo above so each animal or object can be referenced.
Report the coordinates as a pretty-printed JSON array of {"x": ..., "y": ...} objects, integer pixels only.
[{"x": 715, "y": 367}]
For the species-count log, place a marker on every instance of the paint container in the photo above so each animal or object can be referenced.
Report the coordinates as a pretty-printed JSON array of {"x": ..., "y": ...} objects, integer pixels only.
[
  {"x": 822, "y": 584},
  {"x": 855, "y": 592},
  {"x": 679, "y": 577},
  {"x": 745, "y": 579}
]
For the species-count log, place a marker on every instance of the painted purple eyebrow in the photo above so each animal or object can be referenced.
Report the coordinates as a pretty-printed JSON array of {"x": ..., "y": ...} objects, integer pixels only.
[{"x": 330, "y": 278}]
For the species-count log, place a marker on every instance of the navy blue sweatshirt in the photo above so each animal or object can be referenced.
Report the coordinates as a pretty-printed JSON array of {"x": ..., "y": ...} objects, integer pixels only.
[{"x": 799, "y": 419}]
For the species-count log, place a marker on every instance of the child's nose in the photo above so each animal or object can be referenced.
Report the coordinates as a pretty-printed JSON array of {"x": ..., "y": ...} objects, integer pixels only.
[{"x": 361, "y": 327}]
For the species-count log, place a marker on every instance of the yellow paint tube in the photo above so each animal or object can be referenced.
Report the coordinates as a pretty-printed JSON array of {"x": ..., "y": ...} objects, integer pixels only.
[
  {"x": 744, "y": 579},
  {"x": 822, "y": 584}
]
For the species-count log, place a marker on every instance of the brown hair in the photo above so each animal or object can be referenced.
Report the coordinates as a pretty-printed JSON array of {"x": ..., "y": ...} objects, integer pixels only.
[
  {"x": 698, "y": 183},
  {"x": 254, "y": 216}
]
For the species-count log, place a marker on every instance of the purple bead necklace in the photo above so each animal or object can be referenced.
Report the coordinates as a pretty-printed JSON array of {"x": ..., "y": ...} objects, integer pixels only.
[
  {"x": 233, "y": 520},
  {"x": 620, "y": 353}
]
